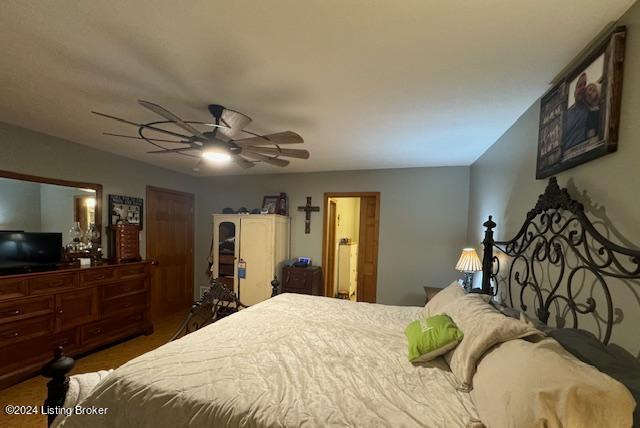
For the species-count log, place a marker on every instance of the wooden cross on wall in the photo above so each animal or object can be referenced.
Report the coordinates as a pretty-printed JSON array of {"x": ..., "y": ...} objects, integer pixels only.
[{"x": 308, "y": 209}]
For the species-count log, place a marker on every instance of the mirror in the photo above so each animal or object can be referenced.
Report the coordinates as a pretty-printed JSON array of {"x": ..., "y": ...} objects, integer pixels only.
[
  {"x": 38, "y": 204},
  {"x": 226, "y": 253}
]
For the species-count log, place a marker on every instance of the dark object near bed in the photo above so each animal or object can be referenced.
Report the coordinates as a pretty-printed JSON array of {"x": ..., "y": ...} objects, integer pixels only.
[
  {"x": 57, "y": 387},
  {"x": 613, "y": 362},
  {"x": 216, "y": 303},
  {"x": 557, "y": 232}
]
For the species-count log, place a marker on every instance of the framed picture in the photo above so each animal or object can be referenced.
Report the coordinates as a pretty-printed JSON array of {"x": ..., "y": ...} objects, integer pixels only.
[
  {"x": 579, "y": 116},
  {"x": 125, "y": 210},
  {"x": 270, "y": 204}
]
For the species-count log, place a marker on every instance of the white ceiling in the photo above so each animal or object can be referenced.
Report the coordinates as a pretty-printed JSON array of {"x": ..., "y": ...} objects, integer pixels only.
[{"x": 367, "y": 83}]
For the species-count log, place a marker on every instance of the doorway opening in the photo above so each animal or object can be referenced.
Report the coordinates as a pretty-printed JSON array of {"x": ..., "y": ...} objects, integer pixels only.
[{"x": 350, "y": 245}]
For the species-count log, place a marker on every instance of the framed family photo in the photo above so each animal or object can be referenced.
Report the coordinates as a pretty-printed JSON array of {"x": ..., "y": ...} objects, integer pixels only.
[
  {"x": 126, "y": 210},
  {"x": 270, "y": 204},
  {"x": 579, "y": 116}
]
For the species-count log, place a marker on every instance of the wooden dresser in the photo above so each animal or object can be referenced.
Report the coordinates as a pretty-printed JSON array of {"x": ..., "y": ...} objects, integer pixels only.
[
  {"x": 302, "y": 280},
  {"x": 79, "y": 308}
]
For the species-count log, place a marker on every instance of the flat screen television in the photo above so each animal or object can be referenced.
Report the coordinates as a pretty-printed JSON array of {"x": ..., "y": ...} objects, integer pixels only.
[{"x": 29, "y": 251}]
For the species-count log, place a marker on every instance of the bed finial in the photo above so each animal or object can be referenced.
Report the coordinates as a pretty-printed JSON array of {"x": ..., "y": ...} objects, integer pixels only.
[
  {"x": 57, "y": 387},
  {"x": 275, "y": 286},
  {"x": 487, "y": 257}
]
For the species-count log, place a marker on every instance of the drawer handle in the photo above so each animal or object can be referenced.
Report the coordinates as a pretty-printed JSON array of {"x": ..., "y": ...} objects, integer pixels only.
[
  {"x": 60, "y": 311},
  {"x": 63, "y": 342},
  {"x": 125, "y": 289},
  {"x": 11, "y": 335},
  {"x": 101, "y": 276},
  {"x": 11, "y": 312},
  {"x": 126, "y": 305},
  {"x": 55, "y": 284},
  {"x": 95, "y": 331}
]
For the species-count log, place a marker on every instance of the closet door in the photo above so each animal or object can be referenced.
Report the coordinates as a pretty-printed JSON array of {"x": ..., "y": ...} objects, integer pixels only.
[
  {"x": 257, "y": 253},
  {"x": 225, "y": 251}
]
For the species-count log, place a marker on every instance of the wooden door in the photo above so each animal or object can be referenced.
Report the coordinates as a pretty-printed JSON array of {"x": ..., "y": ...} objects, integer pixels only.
[
  {"x": 257, "y": 245},
  {"x": 330, "y": 271},
  {"x": 368, "y": 248},
  {"x": 169, "y": 224},
  {"x": 75, "y": 308}
]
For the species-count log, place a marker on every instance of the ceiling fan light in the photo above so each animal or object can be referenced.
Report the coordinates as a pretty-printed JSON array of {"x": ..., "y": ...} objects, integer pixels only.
[{"x": 215, "y": 153}]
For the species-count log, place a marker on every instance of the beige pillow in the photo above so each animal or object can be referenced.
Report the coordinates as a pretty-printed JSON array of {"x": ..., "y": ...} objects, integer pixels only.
[
  {"x": 524, "y": 384},
  {"x": 483, "y": 327},
  {"x": 442, "y": 298}
]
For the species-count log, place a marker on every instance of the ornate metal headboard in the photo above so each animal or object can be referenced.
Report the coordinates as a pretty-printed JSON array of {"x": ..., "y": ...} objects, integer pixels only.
[{"x": 559, "y": 261}]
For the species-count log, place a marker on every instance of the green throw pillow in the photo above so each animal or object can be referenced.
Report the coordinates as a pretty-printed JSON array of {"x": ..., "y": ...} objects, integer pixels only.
[{"x": 431, "y": 337}]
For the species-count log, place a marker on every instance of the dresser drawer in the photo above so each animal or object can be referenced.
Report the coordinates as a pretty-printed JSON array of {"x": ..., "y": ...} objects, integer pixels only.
[
  {"x": 18, "y": 331},
  {"x": 95, "y": 276},
  {"x": 110, "y": 326},
  {"x": 133, "y": 271},
  {"x": 296, "y": 278},
  {"x": 39, "y": 348},
  {"x": 119, "y": 304},
  {"x": 12, "y": 288},
  {"x": 26, "y": 308},
  {"x": 52, "y": 283},
  {"x": 123, "y": 288}
]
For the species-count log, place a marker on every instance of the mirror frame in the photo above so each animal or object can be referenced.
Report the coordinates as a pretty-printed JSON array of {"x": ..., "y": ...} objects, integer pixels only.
[{"x": 68, "y": 183}]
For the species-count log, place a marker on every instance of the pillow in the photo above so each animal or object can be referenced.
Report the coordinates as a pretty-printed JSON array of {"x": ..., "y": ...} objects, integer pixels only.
[
  {"x": 587, "y": 348},
  {"x": 524, "y": 384},
  {"x": 435, "y": 304},
  {"x": 483, "y": 327},
  {"x": 431, "y": 337}
]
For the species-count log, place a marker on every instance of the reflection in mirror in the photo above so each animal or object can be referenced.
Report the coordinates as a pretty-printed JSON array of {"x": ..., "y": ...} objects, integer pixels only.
[
  {"x": 40, "y": 207},
  {"x": 226, "y": 253}
]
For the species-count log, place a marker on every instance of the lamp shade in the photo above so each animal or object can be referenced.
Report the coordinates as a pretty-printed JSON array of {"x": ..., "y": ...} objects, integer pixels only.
[{"x": 469, "y": 261}]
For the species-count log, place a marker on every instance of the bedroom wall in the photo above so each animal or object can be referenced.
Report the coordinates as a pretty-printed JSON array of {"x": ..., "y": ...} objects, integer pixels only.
[
  {"x": 503, "y": 182},
  {"x": 423, "y": 219},
  {"x": 30, "y": 152}
]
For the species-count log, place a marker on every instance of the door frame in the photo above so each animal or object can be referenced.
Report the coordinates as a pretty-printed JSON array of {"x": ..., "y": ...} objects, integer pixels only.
[
  {"x": 325, "y": 249},
  {"x": 192, "y": 198}
]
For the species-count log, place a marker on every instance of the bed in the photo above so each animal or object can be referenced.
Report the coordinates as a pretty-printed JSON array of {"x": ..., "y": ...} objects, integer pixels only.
[{"x": 297, "y": 360}]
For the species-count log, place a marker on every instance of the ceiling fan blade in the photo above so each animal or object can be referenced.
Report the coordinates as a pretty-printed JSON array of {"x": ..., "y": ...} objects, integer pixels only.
[
  {"x": 280, "y": 138},
  {"x": 243, "y": 163},
  {"x": 266, "y": 159},
  {"x": 140, "y": 138},
  {"x": 142, "y": 125},
  {"x": 236, "y": 122},
  {"x": 161, "y": 111},
  {"x": 179, "y": 150},
  {"x": 290, "y": 153}
]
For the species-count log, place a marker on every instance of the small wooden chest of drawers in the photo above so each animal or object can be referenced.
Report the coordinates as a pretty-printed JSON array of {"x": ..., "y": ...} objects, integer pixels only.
[
  {"x": 125, "y": 243},
  {"x": 302, "y": 280}
]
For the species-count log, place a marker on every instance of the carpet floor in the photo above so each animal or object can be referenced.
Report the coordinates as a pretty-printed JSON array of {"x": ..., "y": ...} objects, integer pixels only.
[{"x": 33, "y": 391}]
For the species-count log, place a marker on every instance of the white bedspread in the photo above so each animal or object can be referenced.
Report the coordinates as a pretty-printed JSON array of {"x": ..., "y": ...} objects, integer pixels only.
[{"x": 294, "y": 361}]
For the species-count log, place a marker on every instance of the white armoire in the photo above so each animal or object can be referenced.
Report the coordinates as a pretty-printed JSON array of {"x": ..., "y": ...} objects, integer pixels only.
[{"x": 248, "y": 251}]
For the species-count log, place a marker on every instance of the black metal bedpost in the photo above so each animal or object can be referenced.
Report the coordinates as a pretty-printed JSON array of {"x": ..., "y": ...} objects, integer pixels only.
[
  {"x": 487, "y": 257},
  {"x": 275, "y": 286},
  {"x": 57, "y": 387}
]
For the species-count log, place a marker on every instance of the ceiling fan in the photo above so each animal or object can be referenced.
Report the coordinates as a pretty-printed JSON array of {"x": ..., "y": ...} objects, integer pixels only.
[{"x": 221, "y": 141}]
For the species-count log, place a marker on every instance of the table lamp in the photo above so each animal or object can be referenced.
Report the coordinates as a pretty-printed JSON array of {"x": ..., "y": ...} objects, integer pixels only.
[{"x": 469, "y": 262}]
